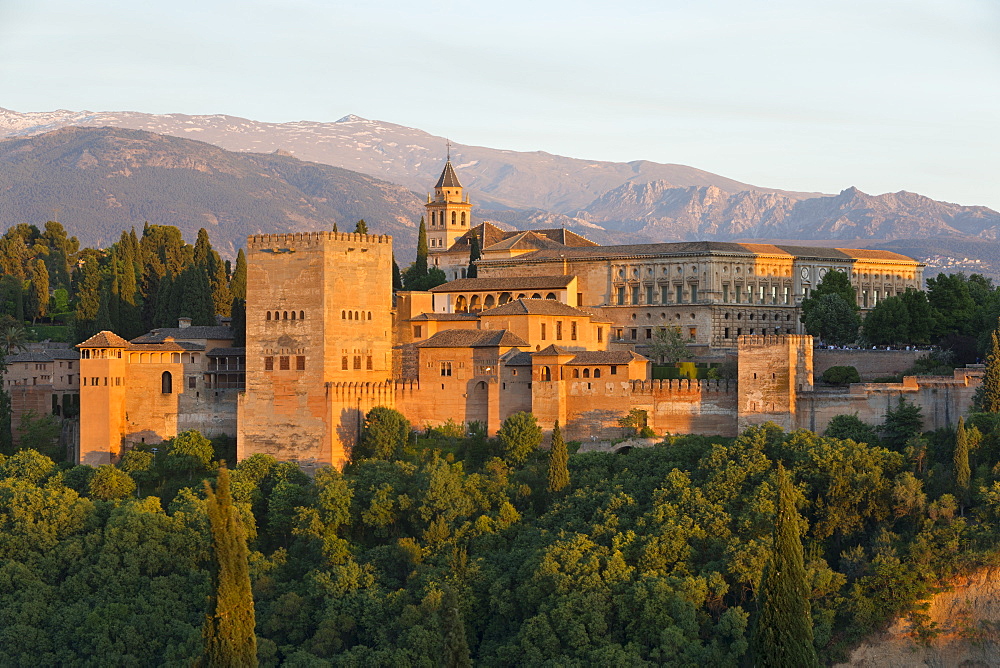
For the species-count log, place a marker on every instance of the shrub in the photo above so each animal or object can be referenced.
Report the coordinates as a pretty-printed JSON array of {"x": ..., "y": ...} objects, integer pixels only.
[{"x": 841, "y": 375}]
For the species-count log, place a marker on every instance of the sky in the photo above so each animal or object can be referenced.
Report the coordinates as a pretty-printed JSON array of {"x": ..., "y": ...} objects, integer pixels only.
[{"x": 801, "y": 95}]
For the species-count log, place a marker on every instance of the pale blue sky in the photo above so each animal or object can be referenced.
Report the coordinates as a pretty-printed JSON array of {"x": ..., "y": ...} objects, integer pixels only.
[{"x": 803, "y": 95}]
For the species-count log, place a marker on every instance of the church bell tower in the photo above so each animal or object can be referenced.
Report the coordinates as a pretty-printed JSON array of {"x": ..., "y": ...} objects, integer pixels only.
[{"x": 449, "y": 211}]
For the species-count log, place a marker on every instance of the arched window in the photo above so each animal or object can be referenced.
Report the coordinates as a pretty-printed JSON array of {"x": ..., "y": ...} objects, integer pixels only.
[
  {"x": 166, "y": 383},
  {"x": 268, "y": 315},
  {"x": 350, "y": 315},
  {"x": 576, "y": 373},
  {"x": 460, "y": 303},
  {"x": 597, "y": 373},
  {"x": 586, "y": 373},
  {"x": 285, "y": 316},
  {"x": 454, "y": 216},
  {"x": 293, "y": 315},
  {"x": 504, "y": 298},
  {"x": 369, "y": 315},
  {"x": 357, "y": 316},
  {"x": 463, "y": 218},
  {"x": 546, "y": 373},
  {"x": 474, "y": 303},
  {"x": 302, "y": 315},
  {"x": 488, "y": 302},
  {"x": 343, "y": 315},
  {"x": 536, "y": 296},
  {"x": 551, "y": 295}
]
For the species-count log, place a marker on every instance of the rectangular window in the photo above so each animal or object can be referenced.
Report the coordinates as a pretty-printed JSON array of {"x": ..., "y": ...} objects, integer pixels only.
[
  {"x": 634, "y": 333},
  {"x": 300, "y": 363},
  {"x": 621, "y": 295},
  {"x": 445, "y": 368},
  {"x": 725, "y": 295},
  {"x": 283, "y": 363},
  {"x": 600, "y": 334},
  {"x": 738, "y": 292},
  {"x": 694, "y": 293},
  {"x": 635, "y": 295},
  {"x": 69, "y": 365},
  {"x": 692, "y": 332},
  {"x": 614, "y": 370},
  {"x": 725, "y": 333},
  {"x": 558, "y": 330},
  {"x": 774, "y": 294},
  {"x": 357, "y": 362},
  {"x": 192, "y": 382},
  {"x": 762, "y": 295},
  {"x": 749, "y": 294},
  {"x": 680, "y": 294},
  {"x": 649, "y": 333},
  {"x": 864, "y": 298},
  {"x": 579, "y": 299},
  {"x": 343, "y": 363},
  {"x": 417, "y": 331},
  {"x": 572, "y": 330},
  {"x": 543, "y": 331},
  {"x": 875, "y": 298},
  {"x": 268, "y": 364},
  {"x": 368, "y": 363},
  {"x": 664, "y": 294},
  {"x": 786, "y": 296},
  {"x": 649, "y": 294}
]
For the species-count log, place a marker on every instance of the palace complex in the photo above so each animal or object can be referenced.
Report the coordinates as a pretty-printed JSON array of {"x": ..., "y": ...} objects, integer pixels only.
[{"x": 553, "y": 324}]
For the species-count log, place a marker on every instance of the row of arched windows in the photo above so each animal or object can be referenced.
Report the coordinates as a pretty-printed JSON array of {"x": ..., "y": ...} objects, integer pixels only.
[
  {"x": 586, "y": 373},
  {"x": 355, "y": 315},
  {"x": 438, "y": 218},
  {"x": 283, "y": 315}
]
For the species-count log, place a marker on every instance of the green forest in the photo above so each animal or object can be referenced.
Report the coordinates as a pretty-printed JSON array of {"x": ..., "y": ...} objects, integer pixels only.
[{"x": 445, "y": 547}]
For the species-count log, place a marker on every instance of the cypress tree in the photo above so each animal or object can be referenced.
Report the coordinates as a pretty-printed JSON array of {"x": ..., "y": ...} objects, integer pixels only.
[
  {"x": 361, "y": 227},
  {"x": 103, "y": 321},
  {"x": 229, "y": 624},
  {"x": 39, "y": 290},
  {"x": 420, "y": 266},
  {"x": 335, "y": 228},
  {"x": 991, "y": 380},
  {"x": 456, "y": 647},
  {"x": 397, "y": 279},
  {"x": 961, "y": 461},
  {"x": 474, "y": 254},
  {"x": 196, "y": 301},
  {"x": 238, "y": 285},
  {"x": 222, "y": 297},
  {"x": 239, "y": 322},
  {"x": 783, "y": 636},
  {"x": 88, "y": 298},
  {"x": 558, "y": 461}
]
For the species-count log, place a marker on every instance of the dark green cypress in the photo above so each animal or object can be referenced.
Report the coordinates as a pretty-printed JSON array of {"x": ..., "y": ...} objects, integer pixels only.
[
  {"x": 783, "y": 635},
  {"x": 196, "y": 300},
  {"x": 239, "y": 322},
  {"x": 397, "y": 278},
  {"x": 456, "y": 647},
  {"x": 558, "y": 462},
  {"x": 474, "y": 254},
  {"x": 420, "y": 266},
  {"x": 335, "y": 228},
  {"x": 960, "y": 458},
  {"x": 991, "y": 380},
  {"x": 229, "y": 625},
  {"x": 238, "y": 285}
]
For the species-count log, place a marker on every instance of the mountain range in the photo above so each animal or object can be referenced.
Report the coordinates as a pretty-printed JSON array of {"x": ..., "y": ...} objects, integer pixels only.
[{"x": 238, "y": 176}]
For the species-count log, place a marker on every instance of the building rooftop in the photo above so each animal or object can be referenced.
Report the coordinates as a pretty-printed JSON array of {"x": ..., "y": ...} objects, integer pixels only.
[
  {"x": 194, "y": 332},
  {"x": 167, "y": 346},
  {"x": 227, "y": 352},
  {"x": 104, "y": 339},
  {"x": 515, "y": 357},
  {"x": 512, "y": 283},
  {"x": 446, "y": 316},
  {"x": 473, "y": 338},
  {"x": 535, "y": 307},
  {"x": 590, "y": 357},
  {"x": 449, "y": 179}
]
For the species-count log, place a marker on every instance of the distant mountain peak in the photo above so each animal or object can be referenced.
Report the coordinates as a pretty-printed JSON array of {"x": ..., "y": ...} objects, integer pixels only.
[{"x": 351, "y": 118}]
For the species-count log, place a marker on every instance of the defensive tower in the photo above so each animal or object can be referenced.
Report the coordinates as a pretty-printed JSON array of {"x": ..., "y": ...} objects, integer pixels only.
[{"x": 449, "y": 211}]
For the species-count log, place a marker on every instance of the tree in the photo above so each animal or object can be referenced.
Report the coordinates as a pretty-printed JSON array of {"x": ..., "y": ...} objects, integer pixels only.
[
  {"x": 383, "y": 436},
  {"x": 41, "y": 433},
  {"x": 238, "y": 283},
  {"x": 189, "y": 451},
  {"x": 952, "y": 304},
  {"x": 38, "y": 296},
  {"x": 474, "y": 254},
  {"x": 229, "y": 625},
  {"x": 901, "y": 424},
  {"x": 783, "y": 634},
  {"x": 844, "y": 427},
  {"x": 841, "y": 375},
  {"x": 831, "y": 319},
  {"x": 456, "y": 647},
  {"x": 420, "y": 263},
  {"x": 920, "y": 315},
  {"x": 397, "y": 278},
  {"x": 109, "y": 484},
  {"x": 361, "y": 227},
  {"x": 238, "y": 322},
  {"x": 991, "y": 379},
  {"x": 960, "y": 459},
  {"x": 888, "y": 323},
  {"x": 520, "y": 435},
  {"x": 667, "y": 345},
  {"x": 558, "y": 461}
]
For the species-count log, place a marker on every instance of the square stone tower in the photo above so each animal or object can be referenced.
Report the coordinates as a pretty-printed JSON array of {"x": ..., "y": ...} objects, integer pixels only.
[
  {"x": 318, "y": 327},
  {"x": 773, "y": 371}
]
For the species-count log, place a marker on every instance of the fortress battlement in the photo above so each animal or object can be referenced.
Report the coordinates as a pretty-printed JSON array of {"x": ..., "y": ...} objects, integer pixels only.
[
  {"x": 683, "y": 386},
  {"x": 763, "y": 341},
  {"x": 265, "y": 241}
]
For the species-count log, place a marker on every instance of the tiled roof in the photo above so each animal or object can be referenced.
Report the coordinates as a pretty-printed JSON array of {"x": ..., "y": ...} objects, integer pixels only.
[
  {"x": 194, "y": 332},
  {"x": 446, "y": 316},
  {"x": 553, "y": 349},
  {"x": 449, "y": 179},
  {"x": 535, "y": 307},
  {"x": 47, "y": 355},
  {"x": 63, "y": 353},
  {"x": 227, "y": 352},
  {"x": 516, "y": 358},
  {"x": 28, "y": 357},
  {"x": 491, "y": 236},
  {"x": 527, "y": 240},
  {"x": 511, "y": 283},
  {"x": 167, "y": 346},
  {"x": 712, "y": 247},
  {"x": 586, "y": 357},
  {"x": 473, "y": 338},
  {"x": 104, "y": 339}
]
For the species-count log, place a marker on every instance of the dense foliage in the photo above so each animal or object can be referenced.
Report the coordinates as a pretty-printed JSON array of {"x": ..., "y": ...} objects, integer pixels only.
[{"x": 439, "y": 548}]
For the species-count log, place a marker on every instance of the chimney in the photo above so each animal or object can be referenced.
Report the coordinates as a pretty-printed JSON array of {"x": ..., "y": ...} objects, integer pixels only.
[{"x": 183, "y": 323}]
